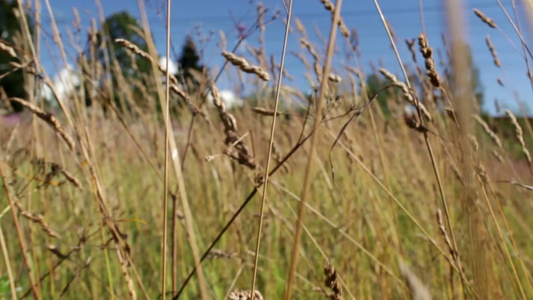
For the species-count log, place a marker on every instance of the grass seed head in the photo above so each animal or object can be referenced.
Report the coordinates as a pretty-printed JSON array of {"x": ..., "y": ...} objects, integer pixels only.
[{"x": 484, "y": 18}]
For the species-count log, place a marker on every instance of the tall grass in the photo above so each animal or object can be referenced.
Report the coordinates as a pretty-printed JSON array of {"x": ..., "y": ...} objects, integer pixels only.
[{"x": 429, "y": 201}]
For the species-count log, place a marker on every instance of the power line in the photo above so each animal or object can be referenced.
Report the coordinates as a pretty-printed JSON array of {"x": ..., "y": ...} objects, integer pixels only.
[{"x": 353, "y": 13}]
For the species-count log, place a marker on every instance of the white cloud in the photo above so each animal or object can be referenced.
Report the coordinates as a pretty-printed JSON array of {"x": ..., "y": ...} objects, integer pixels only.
[
  {"x": 65, "y": 83},
  {"x": 229, "y": 98},
  {"x": 172, "y": 67}
]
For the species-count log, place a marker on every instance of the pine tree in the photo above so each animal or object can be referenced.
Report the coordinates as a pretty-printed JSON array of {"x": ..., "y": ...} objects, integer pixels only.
[
  {"x": 189, "y": 60},
  {"x": 12, "y": 84}
]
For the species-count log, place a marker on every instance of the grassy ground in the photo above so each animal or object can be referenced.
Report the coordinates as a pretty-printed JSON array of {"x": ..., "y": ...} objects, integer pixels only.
[{"x": 399, "y": 206}]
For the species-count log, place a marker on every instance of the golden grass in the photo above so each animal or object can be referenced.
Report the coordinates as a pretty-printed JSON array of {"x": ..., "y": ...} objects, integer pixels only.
[{"x": 97, "y": 193}]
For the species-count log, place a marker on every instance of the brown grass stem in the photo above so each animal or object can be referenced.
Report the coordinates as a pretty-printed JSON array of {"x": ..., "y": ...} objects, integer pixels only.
[
  {"x": 308, "y": 169},
  {"x": 426, "y": 139},
  {"x": 270, "y": 145},
  {"x": 239, "y": 210},
  {"x": 164, "y": 212},
  {"x": 20, "y": 234},
  {"x": 7, "y": 261}
]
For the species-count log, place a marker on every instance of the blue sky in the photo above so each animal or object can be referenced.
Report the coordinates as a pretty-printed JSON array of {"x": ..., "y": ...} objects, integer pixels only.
[{"x": 404, "y": 17}]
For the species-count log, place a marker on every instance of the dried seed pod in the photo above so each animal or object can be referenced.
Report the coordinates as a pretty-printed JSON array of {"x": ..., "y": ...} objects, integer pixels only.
[
  {"x": 334, "y": 78},
  {"x": 427, "y": 53},
  {"x": 493, "y": 52},
  {"x": 7, "y": 49},
  {"x": 244, "y": 66},
  {"x": 488, "y": 131},
  {"x": 48, "y": 118},
  {"x": 332, "y": 282},
  {"x": 519, "y": 134},
  {"x": 484, "y": 18},
  {"x": 406, "y": 92},
  {"x": 245, "y": 295},
  {"x": 236, "y": 148}
]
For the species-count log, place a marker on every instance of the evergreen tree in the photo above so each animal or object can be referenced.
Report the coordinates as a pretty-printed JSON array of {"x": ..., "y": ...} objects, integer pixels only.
[
  {"x": 12, "y": 84},
  {"x": 189, "y": 60},
  {"x": 132, "y": 67}
]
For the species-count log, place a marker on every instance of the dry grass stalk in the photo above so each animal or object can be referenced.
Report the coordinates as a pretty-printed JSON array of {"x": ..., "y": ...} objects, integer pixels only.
[
  {"x": 302, "y": 58},
  {"x": 38, "y": 219},
  {"x": 482, "y": 172},
  {"x": 276, "y": 68},
  {"x": 427, "y": 53},
  {"x": 519, "y": 134},
  {"x": 444, "y": 233},
  {"x": 295, "y": 253},
  {"x": 132, "y": 47},
  {"x": 473, "y": 142},
  {"x": 54, "y": 249},
  {"x": 244, "y": 66},
  {"x": 54, "y": 170},
  {"x": 488, "y": 131},
  {"x": 9, "y": 143},
  {"x": 7, "y": 261},
  {"x": 334, "y": 78},
  {"x": 27, "y": 66},
  {"x": 306, "y": 44},
  {"x": 359, "y": 75},
  {"x": 239, "y": 151},
  {"x": 332, "y": 283},
  {"x": 223, "y": 41},
  {"x": 265, "y": 112},
  {"x": 174, "y": 81},
  {"x": 457, "y": 173},
  {"x": 178, "y": 91},
  {"x": 259, "y": 54},
  {"x": 245, "y": 295},
  {"x": 497, "y": 155},
  {"x": 125, "y": 264},
  {"x": 71, "y": 178},
  {"x": 441, "y": 282},
  {"x": 411, "y": 122},
  {"x": 344, "y": 29},
  {"x": 7, "y": 49},
  {"x": 418, "y": 289},
  {"x": 300, "y": 27},
  {"x": 484, "y": 18},
  {"x": 493, "y": 52},
  {"x": 278, "y": 157},
  {"x": 406, "y": 93},
  {"x": 22, "y": 241},
  {"x": 354, "y": 41},
  {"x": 136, "y": 50},
  {"x": 527, "y": 187},
  {"x": 215, "y": 253},
  {"x": 48, "y": 118},
  {"x": 411, "y": 46},
  {"x": 263, "y": 178},
  {"x": 328, "y": 5},
  {"x": 450, "y": 112},
  {"x": 260, "y": 21}
]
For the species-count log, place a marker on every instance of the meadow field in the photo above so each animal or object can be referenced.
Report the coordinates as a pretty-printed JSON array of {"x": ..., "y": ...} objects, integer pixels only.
[{"x": 151, "y": 186}]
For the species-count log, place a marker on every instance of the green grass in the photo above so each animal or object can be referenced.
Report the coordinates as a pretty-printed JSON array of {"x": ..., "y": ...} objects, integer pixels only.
[{"x": 378, "y": 210}]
